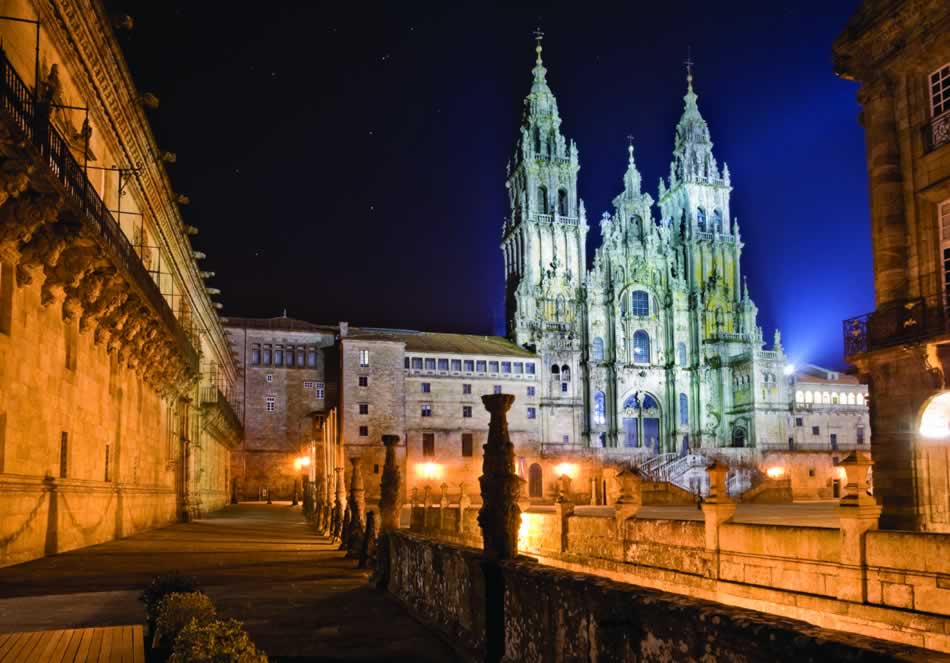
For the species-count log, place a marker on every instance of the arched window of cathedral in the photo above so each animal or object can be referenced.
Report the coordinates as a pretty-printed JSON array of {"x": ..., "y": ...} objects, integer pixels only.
[
  {"x": 597, "y": 349},
  {"x": 684, "y": 409},
  {"x": 560, "y": 306},
  {"x": 640, "y": 303},
  {"x": 562, "y": 202},
  {"x": 799, "y": 396},
  {"x": 542, "y": 200},
  {"x": 738, "y": 436},
  {"x": 535, "y": 481},
  {"x": 701, "y": 218},
  {"x": 717, "y": 220},
  {"x": 600, "y": 408},
  {"x": 555, "y": 372},
  {"x": 681, "y": 353},
  {"x": 565, "y": 373},
  {"x": 641, "y": 347}
]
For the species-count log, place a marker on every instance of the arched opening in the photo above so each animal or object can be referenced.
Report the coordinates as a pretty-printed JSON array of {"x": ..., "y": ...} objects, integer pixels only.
[
  {"x": 600, "y": 408},
  {"x": 851, "y": 398},
  {"x": 825, "y": 398},
  {"x": 701, "y": 219},
  {"x": 565, "y": 373},
  {"x": 935, "y": 418},
  {"x": 684, "y": 410},
  {"x": 681, "y": 354},
  {"x": 562, "y": 202},
  {"x": 640, "y": 303},
  {"x": 597, "y": 349},
  {"x": 738, "y": 436},
  {"x": 717, "y": 220},
  {"x": 641, "y": 422},
  {"x": 542, "y": 200},
  {"x": 640, "y": 350},
  {"x": 537, "y": 140},
  {"x": 799, "y": 396},
  {"x": 809, "y": 397},
  {"x": 535, "y": 481}
]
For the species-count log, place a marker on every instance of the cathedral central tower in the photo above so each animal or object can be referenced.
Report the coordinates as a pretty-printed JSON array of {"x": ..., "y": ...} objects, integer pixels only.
[{"x": 544, "y": 245}]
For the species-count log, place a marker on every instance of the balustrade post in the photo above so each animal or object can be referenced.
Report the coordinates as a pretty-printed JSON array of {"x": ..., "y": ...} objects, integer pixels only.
[
  {"x": 500, "y": 516},
  {"x": 630, "y": 500},
  {"x": 565, "y": 509},
  {"x": 718, "y": 508},
  {"x": 389, "y": 502},
  {"x": 339, "y": 506},
  {"x": 858, "y": 514},
  {"x": 358, "y": 507},
  {"x": 443, "y": 505},
  {"x": 465, "y": 502}
]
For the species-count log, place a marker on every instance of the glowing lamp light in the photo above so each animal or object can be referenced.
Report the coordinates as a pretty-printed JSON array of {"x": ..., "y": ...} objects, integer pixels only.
[
  {"x": 776, "y": 472},
  {"x": 789, "y": 369},
  {"x": 302, "y": 461},
  {"x": 843, "y": 474},
  {"x": 528, "y": 531},
  {"x": 566, "y": 469},
  {"x": 429, "y": 470}
]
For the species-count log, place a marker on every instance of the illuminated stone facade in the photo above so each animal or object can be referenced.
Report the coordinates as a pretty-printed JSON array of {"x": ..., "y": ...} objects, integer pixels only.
[
  {"x": 114, "y": 369},
  {"x": 900, "y": 53}
]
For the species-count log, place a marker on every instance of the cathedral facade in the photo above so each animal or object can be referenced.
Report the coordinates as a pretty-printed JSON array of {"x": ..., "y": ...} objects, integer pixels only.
[{"x": 655, "y": 348}]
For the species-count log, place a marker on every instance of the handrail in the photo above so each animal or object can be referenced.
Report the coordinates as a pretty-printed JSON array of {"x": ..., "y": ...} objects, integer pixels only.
[{"x": 17, "y": 102}]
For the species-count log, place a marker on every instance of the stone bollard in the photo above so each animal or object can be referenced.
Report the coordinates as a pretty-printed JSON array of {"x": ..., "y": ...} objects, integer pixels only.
[
  {"x": 443, "y": 505},
  {"x": 500, "y": 516},
  {"x": 718, "y": 507},
  {"x": 630, "y": 500},
  {"x": 389, "y": 503},
  {"x": 565, "y": 509},
  {"x": 368, "y": 547},
  {"x": 357, "y": 505},
  {"x": 339, "y": 506},
  {"x": 426, "y": 507},
  {"x": 465, "y": 503},
  {"x": 858, "y": 513},
  {"x": 319, "y": 500},
  {"x": 593, "y": 491}
]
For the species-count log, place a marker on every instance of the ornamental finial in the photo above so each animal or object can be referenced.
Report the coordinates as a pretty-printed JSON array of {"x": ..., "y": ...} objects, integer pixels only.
[
  {"x": 538, "y": 36},
  {"x": 689, "y": 67}
]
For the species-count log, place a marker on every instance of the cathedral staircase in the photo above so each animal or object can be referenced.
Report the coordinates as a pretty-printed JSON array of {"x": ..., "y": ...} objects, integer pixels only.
[{"x": 689, "y": 473}]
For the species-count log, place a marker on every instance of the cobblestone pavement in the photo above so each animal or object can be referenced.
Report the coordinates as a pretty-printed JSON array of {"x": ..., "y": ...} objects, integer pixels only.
[{"x": 259, "y": 563}]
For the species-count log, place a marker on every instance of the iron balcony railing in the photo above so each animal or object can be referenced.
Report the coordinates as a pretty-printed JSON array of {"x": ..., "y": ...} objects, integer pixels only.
[
  {"x": 906, "y": 321},
  {"x": 937, "y": 132},
  {"x": 18, "y": 105}
]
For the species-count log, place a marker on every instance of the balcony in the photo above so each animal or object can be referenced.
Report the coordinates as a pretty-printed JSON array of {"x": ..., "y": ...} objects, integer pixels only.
[
  {"x": 48, "y": 147},
  {"x": 901, "y": 322},
  {"x": 937, "y": 132},
  {"x": 219, "y": 415},
  {"x": 704, "y": 236}
]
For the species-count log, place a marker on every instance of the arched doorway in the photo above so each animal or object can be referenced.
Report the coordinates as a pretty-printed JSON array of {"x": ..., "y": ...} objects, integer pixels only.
[
  {"x": 535, "y": 481},
  {"x": 738, "y": 436},
  {"x": 641, "y": 422},
  {"x": 935, "y": 418}
]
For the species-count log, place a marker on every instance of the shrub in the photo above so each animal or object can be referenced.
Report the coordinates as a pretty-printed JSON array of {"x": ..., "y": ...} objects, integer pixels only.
[
  {"x": 176, "y": 611},
  {"x": 160, "y": 587},
  {"x": 218, "y": 641}
]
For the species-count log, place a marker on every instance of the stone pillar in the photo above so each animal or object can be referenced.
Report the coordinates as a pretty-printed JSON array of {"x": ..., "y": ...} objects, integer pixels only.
[
  {"x": 443, "y": 505},
  {"x": 858, "y": 514},
  {"x": 593, "y": 491},
  {"x": 357, "y": 506},
  {"x": 317, "y": 491},
  {"x": 718, "y": 508},
  {"x": 465, "y": 502},
  {"x": 389, "y": 502},
  {"x": 565, "y": 509},
  {"x": 500, "y": 515},
  {"x": 368, "y": 547},
  {"x": 630, "y": 500},
  {"x": 339, "y": 505},
  {"x": 426, "y": 507}
]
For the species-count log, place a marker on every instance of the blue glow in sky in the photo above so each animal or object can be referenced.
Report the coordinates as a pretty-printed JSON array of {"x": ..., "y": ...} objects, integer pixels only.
[{"x": 348, "y": 162}]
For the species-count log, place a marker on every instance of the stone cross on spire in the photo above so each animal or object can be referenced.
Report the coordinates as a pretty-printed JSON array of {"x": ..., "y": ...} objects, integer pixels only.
[
  {"x": 538, "y": 37},
  {"x": 689, "y": 66}
]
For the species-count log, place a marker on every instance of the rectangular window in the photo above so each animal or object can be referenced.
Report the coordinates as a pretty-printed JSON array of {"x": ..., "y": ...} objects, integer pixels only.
[
  {"x": 860, "y": 435},
  {"x": 266, "y": 360},
  {"x": 311, "y": 358},
  {"x": 532, "y": 413},
  {"x": 567, "y": 439},
  {"x": 405, "y": 362},
  {"x": 791, "y": 443},
  {"x": 799, "y": 422},
  {"x": 466, "y": 388},
  {"x": 269, "y": 377},
  {"x": 467, "y": 445},
  {"x": 493, "y": 367},
  {"x": 364, "y": 408},
  {"x": 364, "y": 380},
  {"x": 255, "y": 355},
  {"x": 496, "y": 389},
  {"x": 430, "y": 364},
  {"x": 270, "y": 404},
  {"x": 428, "y": 444},
  {"x": 108, "y": 476},
  {"x": 6, "y": 298},
  {"x": 530, "y": 391},
  {"x": 364, "y": 358},
  {"x": 944, "y": 212},
  {"x": 529, "y": 368},
  {"x": 426, "y": 387},
  {"x": 467, "y": 411},
  {"x": 940, "y": 91},
  {"x": 815, "y": 430},
  {"x": 278, "y": 356},
  {"x": 563, "y": 387},
  {"x": 307, "y": 384},
  {"x": 469, "y": 366},
  {"x": 480, "y": 366},
  {"x": 319, "y": 390},
  {"x": 290, "y": 357},
  {"x": 443, "y": 364},
  {"x": 364, "y": 431},
  {"x": 63, "y": 454},
  {"x": 417, "y": 363},
  {"x": 300, "y": 358},
  {"x": 834, "y": 440},
  {"x": 518, "y": 367},
  {"x": 506, "y": 367},
  {"x": 456, "y": 365},
  {"x": 426, "y": 410}
]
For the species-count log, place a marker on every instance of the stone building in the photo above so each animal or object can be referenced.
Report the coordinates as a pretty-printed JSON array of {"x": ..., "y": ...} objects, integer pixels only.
[
  {"x": 114, "y": 369},
  {"x": 900, "y": 53}
]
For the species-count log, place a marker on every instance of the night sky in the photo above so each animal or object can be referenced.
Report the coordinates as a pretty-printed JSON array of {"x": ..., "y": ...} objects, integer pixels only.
[{"x": 346, "y": 161}]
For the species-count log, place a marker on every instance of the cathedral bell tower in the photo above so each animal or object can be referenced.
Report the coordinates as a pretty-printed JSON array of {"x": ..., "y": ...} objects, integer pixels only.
[{"x": 544, "y": 245}]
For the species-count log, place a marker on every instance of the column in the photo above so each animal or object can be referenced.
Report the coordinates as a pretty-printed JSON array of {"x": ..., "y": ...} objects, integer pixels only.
[
  {"x": 389, "y": 502},
  {"x": 500, "y": 515}
]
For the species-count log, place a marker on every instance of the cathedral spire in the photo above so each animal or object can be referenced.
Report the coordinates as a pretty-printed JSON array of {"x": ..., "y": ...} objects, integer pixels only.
[
  {"x": 539, "y": 71},
  {"x": 692, "y": 155}
]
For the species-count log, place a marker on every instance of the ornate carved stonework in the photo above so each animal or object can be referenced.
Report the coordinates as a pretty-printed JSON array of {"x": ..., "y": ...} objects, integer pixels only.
[{"x": 500, "y": 515}]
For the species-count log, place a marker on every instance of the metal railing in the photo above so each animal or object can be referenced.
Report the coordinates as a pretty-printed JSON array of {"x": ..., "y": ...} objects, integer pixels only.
[
  {"x": 937, "y": 132},
  {"x": 19, "y": 106},
  {"x": 713, "y": 237},
  {"x": 900, "y": 322}
]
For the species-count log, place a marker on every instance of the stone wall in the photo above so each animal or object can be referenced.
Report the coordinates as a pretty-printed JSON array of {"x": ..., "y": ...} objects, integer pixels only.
[{"x": 552, "y": 615}]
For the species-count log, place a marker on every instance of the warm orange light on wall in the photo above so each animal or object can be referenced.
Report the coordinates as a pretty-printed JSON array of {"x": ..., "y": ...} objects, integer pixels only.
[
  {"x": 843, "y": 474},
  {"x": 529, "y": 528},
  {"x": 776, "y": 472},
  {"x": 566, "y": 470},
  {"x": 429, "y": 470},
  {"x": 302, "y": 461}
]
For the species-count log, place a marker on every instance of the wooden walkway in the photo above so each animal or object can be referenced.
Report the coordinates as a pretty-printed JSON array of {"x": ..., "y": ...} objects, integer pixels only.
[{"x": 109, "y": 644}]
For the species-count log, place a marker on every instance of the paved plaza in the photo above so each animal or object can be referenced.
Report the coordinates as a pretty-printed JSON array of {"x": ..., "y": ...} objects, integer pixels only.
[{"x": 259, "y": 563}]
